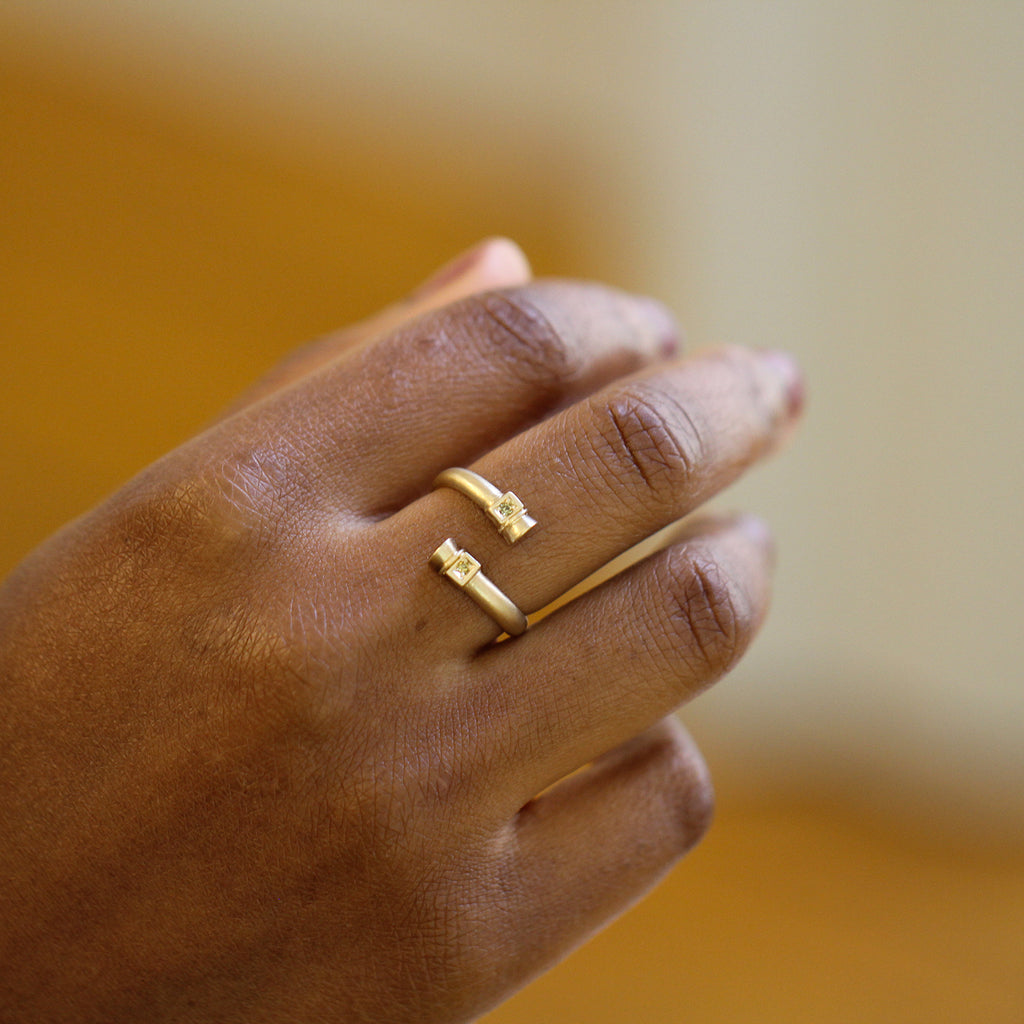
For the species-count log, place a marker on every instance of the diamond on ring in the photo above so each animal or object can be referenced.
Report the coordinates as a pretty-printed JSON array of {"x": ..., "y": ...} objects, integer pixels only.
[
  {"x": 506, "y": 511},
  {"x": 463, "y": 569},
  {"x": 506, "y": 508}
]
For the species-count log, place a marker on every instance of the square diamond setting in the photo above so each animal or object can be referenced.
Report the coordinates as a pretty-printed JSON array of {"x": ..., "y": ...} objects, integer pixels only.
[
  {"x": 463, "y": 569},
  {"x": 507, "y": 507}
]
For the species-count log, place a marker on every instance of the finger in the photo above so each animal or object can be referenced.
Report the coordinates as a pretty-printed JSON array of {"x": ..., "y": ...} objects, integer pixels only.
[
  {"x": 595, "y": 844},
  {"x": 608, "y": 472},
  {"x": 492, "y": 263},
  {"x": 621, "y": 657},
  {"x": 375, "y": 428}
]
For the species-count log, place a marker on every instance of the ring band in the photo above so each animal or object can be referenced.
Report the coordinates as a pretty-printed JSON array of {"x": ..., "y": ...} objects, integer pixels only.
[
  {"x": 464, "y": 571},
  {"x": 505, "y": 510}
]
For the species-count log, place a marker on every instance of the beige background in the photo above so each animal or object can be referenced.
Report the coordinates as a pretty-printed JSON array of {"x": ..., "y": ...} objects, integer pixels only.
[{"x": 191, "y": 188}]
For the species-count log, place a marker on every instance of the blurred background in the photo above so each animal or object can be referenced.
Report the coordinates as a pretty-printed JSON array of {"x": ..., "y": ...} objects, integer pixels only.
[{"x": 191, "y": 188}]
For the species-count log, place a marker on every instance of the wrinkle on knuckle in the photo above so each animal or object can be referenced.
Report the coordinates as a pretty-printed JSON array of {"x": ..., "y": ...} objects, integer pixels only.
[
  {"x": 259, "y": 486},
  {"x": 250, "y": 485},
  {"x": 645, "y": 449},
  {"x": 690, "y": 796},
  {"x": 681, "y": 795},
  {"x": 403, "y": 782},
  {"x": 235, "y": 646},
  {"x": 223, "y": 508},
  {"x": 269, "y": 657},
  {"x": 705, "y": 616},
  {"x": 534, "y": 348},
  {"x": 159, "y": 516}
]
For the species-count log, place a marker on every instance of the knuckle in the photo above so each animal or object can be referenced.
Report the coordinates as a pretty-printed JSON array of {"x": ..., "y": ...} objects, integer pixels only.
[
  {"x": 680, "y": 795},
  {"x": 243, "y": 651},
  {"x": 156, "y": 515},
  {"x": 524, "y": 335},
  {"x": 645, "y": 449},
  {"x": 212, "y": 503},
  {"x": 206, "y": 549},
  {"x": 260, "y": 486},
  {"x": 688, "y": 791},
  {"x": 706, "y": 616}
]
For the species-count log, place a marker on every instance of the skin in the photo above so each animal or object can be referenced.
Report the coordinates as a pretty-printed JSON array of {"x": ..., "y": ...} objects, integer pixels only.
[{"x": 258, "y": 762}]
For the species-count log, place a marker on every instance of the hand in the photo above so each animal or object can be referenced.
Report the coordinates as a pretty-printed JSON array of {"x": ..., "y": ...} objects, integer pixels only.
[{"x": 259, "y": 762}]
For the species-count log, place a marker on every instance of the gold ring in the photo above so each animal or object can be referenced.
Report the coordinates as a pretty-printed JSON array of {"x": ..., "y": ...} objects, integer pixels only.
[
  {"x": 464, "y": 571},
  {"x": 505, "y": 510}
]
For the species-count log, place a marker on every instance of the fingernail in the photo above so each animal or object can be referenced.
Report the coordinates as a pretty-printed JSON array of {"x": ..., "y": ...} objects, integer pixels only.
[
  {"x": 669, "y": 346},
  {"x": 493, "y": 263},
  {"x": 754, "y": 527},
  {"x": 789, "y": 373},
  {"x": 758, "y": 532},
  {"x": 452, "y": 271},
  {"x": 668, "y": 335}
]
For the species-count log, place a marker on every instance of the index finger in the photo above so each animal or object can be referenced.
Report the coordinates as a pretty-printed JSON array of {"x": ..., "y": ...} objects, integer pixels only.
[{"x": 493, "y": 263}]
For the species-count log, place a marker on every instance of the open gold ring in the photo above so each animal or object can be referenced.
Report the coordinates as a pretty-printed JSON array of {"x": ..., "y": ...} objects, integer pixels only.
[
  {"x": 464, "y": 571},
  {"x": 505, "y": 510}
]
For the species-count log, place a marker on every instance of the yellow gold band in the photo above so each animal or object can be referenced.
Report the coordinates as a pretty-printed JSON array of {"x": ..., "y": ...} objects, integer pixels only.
[
  {"x": 505, "y": 510},
  {"x": 464, "y": 571}
]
